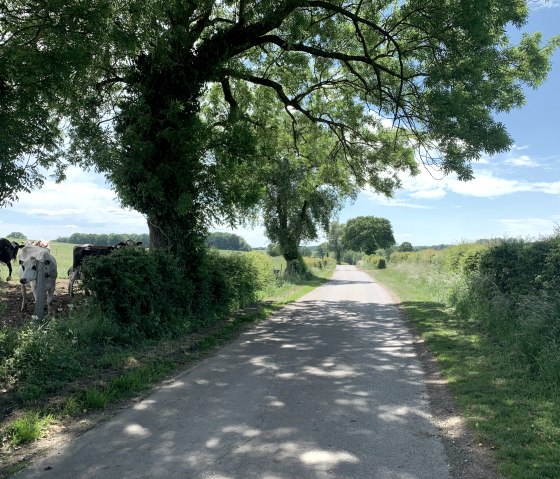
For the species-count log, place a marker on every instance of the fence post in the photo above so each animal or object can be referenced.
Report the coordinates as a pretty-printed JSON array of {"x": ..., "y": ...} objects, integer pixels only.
[{"x": 40, "y": 291}]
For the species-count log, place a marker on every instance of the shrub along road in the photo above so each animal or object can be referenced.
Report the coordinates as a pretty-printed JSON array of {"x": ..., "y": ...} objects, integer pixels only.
[{"x": 330, "y": 386}]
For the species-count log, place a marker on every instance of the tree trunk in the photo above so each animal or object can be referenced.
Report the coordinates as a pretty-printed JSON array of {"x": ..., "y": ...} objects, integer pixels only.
[
  {"x": 158, "y": 239},
  {"x": 290, "y": 252}
]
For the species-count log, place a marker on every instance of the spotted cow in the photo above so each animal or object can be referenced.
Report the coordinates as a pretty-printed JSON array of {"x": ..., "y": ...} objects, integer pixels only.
[{"x": 30, "y": 260}]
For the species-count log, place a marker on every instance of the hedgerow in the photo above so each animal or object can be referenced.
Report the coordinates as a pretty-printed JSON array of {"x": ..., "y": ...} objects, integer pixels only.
[{"x": 510, "y": 287}]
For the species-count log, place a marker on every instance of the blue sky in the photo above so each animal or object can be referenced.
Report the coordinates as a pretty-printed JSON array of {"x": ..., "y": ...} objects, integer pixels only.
[{"x": 516, "y": 194}]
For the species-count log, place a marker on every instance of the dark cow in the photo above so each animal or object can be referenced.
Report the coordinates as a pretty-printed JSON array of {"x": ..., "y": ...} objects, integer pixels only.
[
  {"x": 128, "y": 244},
  {"x": 81, "y": 252},
  {"x": 78, "y": 255},
  {"x": 8, "y": 253}
]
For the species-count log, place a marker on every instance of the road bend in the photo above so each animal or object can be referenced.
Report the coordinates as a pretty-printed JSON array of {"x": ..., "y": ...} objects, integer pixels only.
[{"x": 329, "y": 387}]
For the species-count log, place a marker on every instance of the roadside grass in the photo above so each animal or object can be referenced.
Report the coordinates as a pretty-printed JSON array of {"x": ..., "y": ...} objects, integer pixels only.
[
  {"x": 27, "y": 428},
  {"x": 514, "y": 412},
  {"x": 115, "y": 374}
]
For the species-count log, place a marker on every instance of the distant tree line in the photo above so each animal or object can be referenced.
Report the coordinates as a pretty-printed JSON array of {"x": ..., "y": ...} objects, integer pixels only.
[
  {"x": 110, "y": 239},
  {"x": 228, "y": 241}
]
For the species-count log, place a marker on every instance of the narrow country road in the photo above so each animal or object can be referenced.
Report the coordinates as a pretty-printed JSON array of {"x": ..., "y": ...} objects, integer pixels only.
[{"x": 329, "y": 387}]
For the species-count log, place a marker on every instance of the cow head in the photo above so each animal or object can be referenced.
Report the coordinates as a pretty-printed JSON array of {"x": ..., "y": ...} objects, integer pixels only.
[{"x": 28, "y": 269}]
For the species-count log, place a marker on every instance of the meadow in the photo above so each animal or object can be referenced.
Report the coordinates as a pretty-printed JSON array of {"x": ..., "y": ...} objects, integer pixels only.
[{"x": 490, "y": 314}]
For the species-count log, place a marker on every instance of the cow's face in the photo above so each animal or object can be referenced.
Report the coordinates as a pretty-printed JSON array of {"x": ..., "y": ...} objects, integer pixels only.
[{"x": 28, "y": 270}]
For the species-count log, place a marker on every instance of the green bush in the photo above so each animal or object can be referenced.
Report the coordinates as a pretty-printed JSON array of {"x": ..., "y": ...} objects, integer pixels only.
[
  {"x": 237, "y": 280},
  {"x": 27, "y": 428},
  {"x": 39, "y": 355},
  {"x": 351, "y": 257},
  {"x": 510, "y": 288},
  {"x": 144, "y": 290},
  {"x": 514, "y": 295},
  {"x": 319, "y": 263},
  {"x": 374, "y": 261}
]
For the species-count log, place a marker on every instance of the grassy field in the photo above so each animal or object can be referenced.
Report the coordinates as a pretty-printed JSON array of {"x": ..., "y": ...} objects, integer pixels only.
[{"x": 512, "y": 411}]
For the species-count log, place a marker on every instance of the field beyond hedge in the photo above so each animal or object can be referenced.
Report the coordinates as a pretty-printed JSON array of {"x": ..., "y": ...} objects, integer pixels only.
[{"x": 490, "y": 313}]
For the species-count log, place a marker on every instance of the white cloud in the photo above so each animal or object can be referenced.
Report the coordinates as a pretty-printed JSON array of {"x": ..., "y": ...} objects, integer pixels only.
[
  {"x": 527, "y": 227},
  {"x": 548, "y": 188},
  {"x": 384, "y": 201},
  {"x": 523, "y": 160},
  {"x": 83, "y": 203},
  {"x": 539, "y": 4},
  {"x": 485, "y": 185},
  {"x": 432, "y": 194}
]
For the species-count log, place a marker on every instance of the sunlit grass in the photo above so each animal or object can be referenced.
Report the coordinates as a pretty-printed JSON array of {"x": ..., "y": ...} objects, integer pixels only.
[{"x": 27, "y": 428}]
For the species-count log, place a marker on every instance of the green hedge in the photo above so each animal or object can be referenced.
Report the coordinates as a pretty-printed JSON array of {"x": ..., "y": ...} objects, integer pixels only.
[
  {"x": 374, "y": 261},
  {"x": 461, "y": 258},
  {"x": 511, "y": 288},
  {"x": 151, "y": 294},
  {"x": 146, "y": 291}
]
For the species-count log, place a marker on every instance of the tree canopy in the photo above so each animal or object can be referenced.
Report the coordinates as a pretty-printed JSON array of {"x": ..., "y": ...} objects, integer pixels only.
[
  {"x": 166, "y": 98},
  {"x": 104, "y": 239},
  {"x": 307, "y": 178},
  {"x": 405, "y": 247},
  {"x": 368, "y": 234},
  {"x": 17, "y": 235},
  {"x": 227, "y": 241}
]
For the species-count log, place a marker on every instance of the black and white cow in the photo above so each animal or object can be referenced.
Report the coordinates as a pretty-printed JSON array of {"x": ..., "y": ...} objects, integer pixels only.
[
  {"x": 29, "y": 258},
  {"x": 78, "y": 255},
  {"x": 8, "y": 253},
  {"x": 81, "y": 252},
  {"x": 128, "y": 244}
]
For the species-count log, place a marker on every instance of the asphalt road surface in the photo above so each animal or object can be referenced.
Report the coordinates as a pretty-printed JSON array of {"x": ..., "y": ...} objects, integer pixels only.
[{"x": 329, "y": 387}]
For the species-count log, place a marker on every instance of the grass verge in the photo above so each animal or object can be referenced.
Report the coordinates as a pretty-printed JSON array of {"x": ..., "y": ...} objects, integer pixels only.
[{"x": 509, "y": 408}]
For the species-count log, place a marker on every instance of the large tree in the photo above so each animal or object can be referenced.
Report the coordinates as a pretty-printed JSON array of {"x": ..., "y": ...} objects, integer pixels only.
[
  {"x": 335, "y": 237},
  {"x": 368, "y": 234},
  {"x": 123, "y": 87},
  {"x": 307, "y": 176}
]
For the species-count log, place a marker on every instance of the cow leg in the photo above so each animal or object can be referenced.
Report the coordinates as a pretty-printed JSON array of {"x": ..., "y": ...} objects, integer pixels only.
[
  {"x": 23, "y": 292},
  {"x": 72, "y": 278},
  {"x": 9, "y": 278},
  {"x": 33, "y": 285},
  {"x": 50, "y": 294},
  {"x": 71, "y": 282}
]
